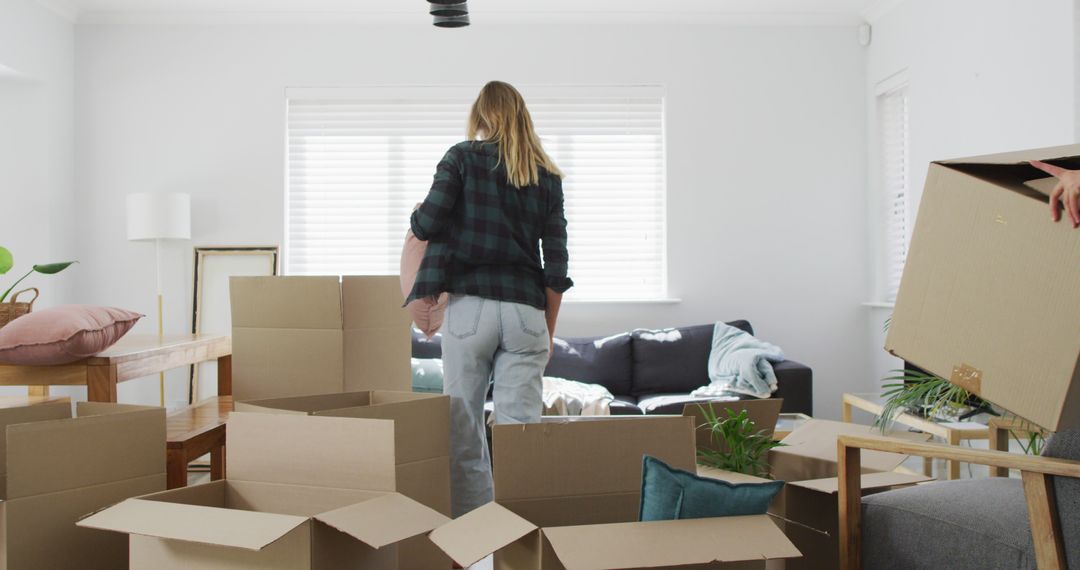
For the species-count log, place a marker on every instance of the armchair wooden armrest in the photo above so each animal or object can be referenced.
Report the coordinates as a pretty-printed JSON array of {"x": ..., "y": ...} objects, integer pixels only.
[{"x": 1034, "y": 470}]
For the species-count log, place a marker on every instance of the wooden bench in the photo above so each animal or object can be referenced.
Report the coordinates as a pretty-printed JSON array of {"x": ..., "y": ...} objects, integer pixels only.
[{"x": 193, "y": 432}]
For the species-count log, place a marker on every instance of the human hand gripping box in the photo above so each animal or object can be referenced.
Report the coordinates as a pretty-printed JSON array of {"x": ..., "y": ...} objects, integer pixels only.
[
  {"x": 421, "y": 443},
  {"x": 303, "y": 493},
  {"x": 300, "y": 335},
  {"x": 56, "y": 468},
  {"x": 567, "y": 494},
  {"x": 990, "y": 296}
]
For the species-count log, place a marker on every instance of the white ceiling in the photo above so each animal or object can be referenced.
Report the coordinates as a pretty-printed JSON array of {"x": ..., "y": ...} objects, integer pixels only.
[{"x": 838, "y": 11}]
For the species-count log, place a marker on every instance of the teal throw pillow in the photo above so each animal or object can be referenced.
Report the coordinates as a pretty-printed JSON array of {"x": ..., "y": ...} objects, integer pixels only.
[
  {"x": 669, "y": 494},
  {"x": 427, "y": 375}
]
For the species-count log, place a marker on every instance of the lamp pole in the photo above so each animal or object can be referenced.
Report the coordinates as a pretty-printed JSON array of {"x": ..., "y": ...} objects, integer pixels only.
[{"x": 160, "y": 316}]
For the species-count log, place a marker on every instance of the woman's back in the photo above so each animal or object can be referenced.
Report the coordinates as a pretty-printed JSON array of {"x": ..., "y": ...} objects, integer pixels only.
[{"x": 485, "y": 234}]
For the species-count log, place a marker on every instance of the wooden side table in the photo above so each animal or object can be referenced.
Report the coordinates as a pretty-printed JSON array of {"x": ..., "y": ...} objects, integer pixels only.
[
  {"x": 134, "y": 356},
  {"x": 951, "y": 432},
  {"x": 1000, "y": 430}
]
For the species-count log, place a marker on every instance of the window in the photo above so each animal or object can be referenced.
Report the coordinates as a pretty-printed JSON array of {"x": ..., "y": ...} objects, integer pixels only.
[
  {"x": 892, "y": 108},
  {"x": 358, "y": 160}
]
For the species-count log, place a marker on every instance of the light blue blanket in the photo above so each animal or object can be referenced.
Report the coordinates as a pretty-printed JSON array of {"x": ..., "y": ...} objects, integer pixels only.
[{"x": 740, "y": 363}]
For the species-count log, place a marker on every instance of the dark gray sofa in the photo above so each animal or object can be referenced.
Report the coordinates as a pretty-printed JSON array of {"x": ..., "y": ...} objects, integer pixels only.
[{"x": 650, "y": 371}]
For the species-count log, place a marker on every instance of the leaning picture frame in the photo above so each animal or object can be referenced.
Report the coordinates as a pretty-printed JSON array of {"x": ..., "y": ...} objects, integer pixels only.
[{"x": 211, "y": 313}]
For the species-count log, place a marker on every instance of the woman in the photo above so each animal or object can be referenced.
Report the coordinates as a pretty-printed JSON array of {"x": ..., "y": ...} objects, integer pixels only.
[{"x": 493, "y": 203}]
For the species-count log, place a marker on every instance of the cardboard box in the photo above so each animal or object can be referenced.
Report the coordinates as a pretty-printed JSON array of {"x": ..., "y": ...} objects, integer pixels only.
[
  {"x": 421, "y": 441},
  {"x": 807, "y": 506},
  {"x": 567, "y": 495},
  {"x": 56, "y": 468},
  {"x": 294, "y": 336},
  {"x": 302, "y": 493},
  {"x": 988, "y": 297},
  {"x": 764, "y": 414}
]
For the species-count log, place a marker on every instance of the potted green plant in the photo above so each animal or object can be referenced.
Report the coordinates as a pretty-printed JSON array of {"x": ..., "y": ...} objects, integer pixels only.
[
  {"x": 931, "y": 396},
  {"x": 7, "y": 261},
  {"x": 740, "y": 446},
  {"x": 9, "y": 311}
]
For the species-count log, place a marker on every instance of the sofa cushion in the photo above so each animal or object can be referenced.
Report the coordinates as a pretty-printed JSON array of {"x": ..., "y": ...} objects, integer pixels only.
[
  {"x": 597, "y": 360},
  {"x": 949, "y": 524},
  {"x": 673, "y": 360}
]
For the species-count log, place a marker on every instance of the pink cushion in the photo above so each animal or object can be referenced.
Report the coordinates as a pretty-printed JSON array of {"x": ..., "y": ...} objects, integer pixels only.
[
  {"x": 426, "y": 314},
  {"x": 63, "y": 334}
]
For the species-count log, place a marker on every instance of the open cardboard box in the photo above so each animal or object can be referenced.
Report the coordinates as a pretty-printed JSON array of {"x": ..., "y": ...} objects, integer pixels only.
[
  {"x": 567, "y": 495},
  {"x": 988, "y": 297},
  {"x": 421, "y": 441},
  {"x": 56, "y": 468},
  {"x": 807, "y": 505},
  {"x": 302, "y": 493},
  {"x": 294, "y": 336}
]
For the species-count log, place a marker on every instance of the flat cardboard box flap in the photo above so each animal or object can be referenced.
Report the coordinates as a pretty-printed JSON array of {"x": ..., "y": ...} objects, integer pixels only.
[
  {"x": 809, "y": 452},
  {"x": 26, "y": 414},
  {"x": 294, "y": 302},
  {"x": 562, "y": 459},
  {"x": 664, "y": 544},
  {"x": 192, "y": 523},
  {"x": 385, "y": 520},
  {"x": 988, "y": 296},
  {"x": 473, "y": 536},
  {"x": 107, "y": 447},
  {"x": 869, "y": 482},
  {"x": 342, "y": 453}
]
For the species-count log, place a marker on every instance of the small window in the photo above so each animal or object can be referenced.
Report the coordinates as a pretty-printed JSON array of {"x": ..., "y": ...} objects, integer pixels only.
[
  {"x": 892, "y": 108},
  {"x": 358, "y": 160}
]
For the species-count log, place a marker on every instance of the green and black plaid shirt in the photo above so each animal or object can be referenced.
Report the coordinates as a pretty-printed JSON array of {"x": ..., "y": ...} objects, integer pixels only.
[{"x": 484, "y": 236}]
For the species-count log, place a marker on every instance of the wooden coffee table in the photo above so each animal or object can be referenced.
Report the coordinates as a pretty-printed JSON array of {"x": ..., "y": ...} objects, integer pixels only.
[
  {"x": 951, "y": 432},
  {"x": 134, "y": 356}
]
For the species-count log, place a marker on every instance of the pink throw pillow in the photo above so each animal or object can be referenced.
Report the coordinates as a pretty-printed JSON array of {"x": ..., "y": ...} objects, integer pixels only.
[
  {"x": 426, "y": 315},
  {"x": 63, "y": 334}
]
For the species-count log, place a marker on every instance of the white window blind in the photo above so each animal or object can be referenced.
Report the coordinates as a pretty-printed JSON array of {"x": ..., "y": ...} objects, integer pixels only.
[
  {"x": 895, "y": 166},
  {"x": 358, "y": 160}
]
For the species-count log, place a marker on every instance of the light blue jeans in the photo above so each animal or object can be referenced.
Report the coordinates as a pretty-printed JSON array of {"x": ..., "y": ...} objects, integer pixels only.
[{"x": 484, "y": 339}]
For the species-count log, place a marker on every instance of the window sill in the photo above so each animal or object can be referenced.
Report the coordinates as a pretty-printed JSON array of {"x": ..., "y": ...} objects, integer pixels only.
[
  {"x": 663, "y": 301},
  {"x": 879, "y": 305}
]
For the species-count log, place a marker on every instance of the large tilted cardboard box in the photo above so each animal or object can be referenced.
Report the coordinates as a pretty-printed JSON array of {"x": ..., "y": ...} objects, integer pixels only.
[
  {"x": 567, "y": 495},
  {"x": 421, "y": 441},
  {"x": 303, "y": 493},
  {"x": 988, "y": 298},
  {"x": 56, "y": 467},
  {"x": 807, "y": 505},
  {"x": 295, "y": 336}
]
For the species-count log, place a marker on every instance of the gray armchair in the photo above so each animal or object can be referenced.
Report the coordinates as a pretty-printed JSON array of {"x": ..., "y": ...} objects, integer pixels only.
[{"x": 976, "y": 523}]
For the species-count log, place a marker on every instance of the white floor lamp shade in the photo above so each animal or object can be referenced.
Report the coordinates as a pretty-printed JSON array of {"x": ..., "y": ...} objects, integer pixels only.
[{"x": 158, "y": 217}]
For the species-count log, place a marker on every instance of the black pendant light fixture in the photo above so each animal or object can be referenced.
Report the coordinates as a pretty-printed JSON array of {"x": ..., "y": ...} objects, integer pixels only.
[{"x": 449, "y": 13}]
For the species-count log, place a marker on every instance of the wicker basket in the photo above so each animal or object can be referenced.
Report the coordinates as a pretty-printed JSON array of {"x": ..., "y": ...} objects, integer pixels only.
[{"x": 13, "y": 309}]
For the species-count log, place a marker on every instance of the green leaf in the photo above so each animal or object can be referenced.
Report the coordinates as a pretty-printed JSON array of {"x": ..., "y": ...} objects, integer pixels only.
[
  {"x": 6, "y": 260},
  {"x": 53, "y": 268}
]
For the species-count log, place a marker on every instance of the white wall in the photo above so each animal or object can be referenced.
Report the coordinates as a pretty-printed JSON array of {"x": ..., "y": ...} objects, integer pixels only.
[
  {"x": 984, "y": 76},
  {"x": 765, "y": 132},
  {"x": 36, "y": 131},
  {"x": 36, "y": 152}
]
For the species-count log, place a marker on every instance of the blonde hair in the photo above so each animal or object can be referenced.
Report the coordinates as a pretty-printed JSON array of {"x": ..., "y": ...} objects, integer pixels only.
[{"x": 499, "y": 114}]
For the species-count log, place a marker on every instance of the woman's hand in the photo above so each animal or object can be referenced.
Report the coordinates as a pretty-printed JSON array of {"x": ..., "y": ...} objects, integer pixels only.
[{"x": 1066, "y": 191}]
